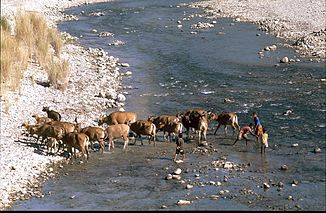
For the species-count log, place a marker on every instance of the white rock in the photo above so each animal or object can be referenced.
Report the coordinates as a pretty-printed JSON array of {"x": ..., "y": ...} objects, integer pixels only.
[
  {"x": 121, "y": 98},
  {"x": 178, "y": 171},
  {"x": 284, "y": 60},
  {"x": 189, "y": 186},
  {"x": 184, "y": 202},
  {"x": 125, "y": 65}
]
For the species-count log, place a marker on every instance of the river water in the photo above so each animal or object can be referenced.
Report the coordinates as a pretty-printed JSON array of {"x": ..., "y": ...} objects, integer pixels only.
[{"x": 174, "y": 69}]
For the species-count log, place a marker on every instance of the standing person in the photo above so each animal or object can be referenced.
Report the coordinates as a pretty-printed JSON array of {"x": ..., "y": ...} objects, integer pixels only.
[
  {"x": 263, "y": 140},
  {"x": 243, "y": 133},
  {"x": 179, "y": 150},
  {"x": 258, "y": 127}
]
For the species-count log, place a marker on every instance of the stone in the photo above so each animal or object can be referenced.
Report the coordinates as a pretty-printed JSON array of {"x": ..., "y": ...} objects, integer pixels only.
[
  {"x": 284, "y": 60},
  {"x": 178, "y": 171},
  {"x": 284, "y": 167},
  {"x": 189, "y": 186},
  {"x": 266, "y": 186},
  {"x": 184, "y": 202},
  {"x": 121, "y": 98},
  {"x": 168, "y": 177}
]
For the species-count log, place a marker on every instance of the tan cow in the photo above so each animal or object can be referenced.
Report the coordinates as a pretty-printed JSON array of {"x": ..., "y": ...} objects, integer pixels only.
[
  {"x": 118, "y": 118},
  {"x": 117, "y": 131},
  {"x": 225, "y": 118}
]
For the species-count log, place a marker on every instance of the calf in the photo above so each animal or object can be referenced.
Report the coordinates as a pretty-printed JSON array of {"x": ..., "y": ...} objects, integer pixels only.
[
  {"x": 118, "y": 118},
  {"x": 225, "y": 118},
  {"x": 142, "y": 127},
  {"x": 117, "y": 131},
  {"x": 95, "y": 134},
  {"x": 78, "y": 141},
  {"x": 52, "y": 114}
]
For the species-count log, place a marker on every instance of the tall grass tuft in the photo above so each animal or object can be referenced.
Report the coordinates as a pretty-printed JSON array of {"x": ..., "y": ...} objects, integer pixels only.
[
  {"x": 58, "y": 72},
  {"x": 33, "y": 39},
  {"x": 13, "y": 60}
]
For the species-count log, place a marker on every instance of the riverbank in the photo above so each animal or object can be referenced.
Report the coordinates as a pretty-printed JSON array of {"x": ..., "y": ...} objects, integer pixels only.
[
  {"x": 301, "y": 22},
  {"x": 23, "y": 164}
]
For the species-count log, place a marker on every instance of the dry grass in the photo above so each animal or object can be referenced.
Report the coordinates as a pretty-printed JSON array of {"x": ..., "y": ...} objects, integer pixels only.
[
  {"x": 14, "y": 59},
  {"x": 33, "y": 39},
  {"x": 58, "y": 72}
]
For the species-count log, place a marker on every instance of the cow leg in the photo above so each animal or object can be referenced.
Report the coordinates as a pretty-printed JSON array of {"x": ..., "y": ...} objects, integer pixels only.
[
  {"x": 199, "y": 133},
  {"x": 110, "y": 143},
  {"x": 87, "y": 152},
  {"x": 225, "y": 130},
  {"x": 204, "y": 134},
  {"x": 126, "y": 140},
  {"x": 218, "y": 126},
  {"x": 141, "y": 140},
  {"x": 69, "y": 148},
  {"x": 102, "y": 146}
]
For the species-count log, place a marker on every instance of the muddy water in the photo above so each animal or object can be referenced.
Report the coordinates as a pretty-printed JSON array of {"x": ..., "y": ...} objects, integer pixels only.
[{"x": 174, "y": 70}]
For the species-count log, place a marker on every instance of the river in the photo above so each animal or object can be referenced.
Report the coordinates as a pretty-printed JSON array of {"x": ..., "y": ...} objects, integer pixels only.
[{"x": 175, "y": 68}]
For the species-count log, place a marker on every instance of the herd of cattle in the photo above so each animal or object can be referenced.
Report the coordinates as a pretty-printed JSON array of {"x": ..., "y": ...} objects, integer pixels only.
[{"x": 55, "y": 132}]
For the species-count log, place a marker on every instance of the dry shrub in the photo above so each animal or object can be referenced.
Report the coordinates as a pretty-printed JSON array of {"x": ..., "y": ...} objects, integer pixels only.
[
  {"x": 4, "y": 24},
  {"x": 14, "y": 60},
  {"x": 58, "y": 73},
  {"x": 24, "y": 32},
  {"x": 32, "y": 38},
  {"x": 55, "y": 40}
]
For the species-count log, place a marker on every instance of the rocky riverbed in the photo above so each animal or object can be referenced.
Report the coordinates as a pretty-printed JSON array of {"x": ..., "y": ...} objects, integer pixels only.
[{"x": 24, "y": 166}]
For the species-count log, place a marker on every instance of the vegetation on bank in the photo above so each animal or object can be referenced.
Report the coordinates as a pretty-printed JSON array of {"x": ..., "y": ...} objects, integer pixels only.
[{"x": 30, "y": 40}]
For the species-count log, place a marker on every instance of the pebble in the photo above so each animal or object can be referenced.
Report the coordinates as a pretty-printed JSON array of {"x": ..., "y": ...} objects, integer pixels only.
[
  {"x": 266, "y": 186},
  {"x": 284, "y": 167},
  {"x": 178, "y": 171},
  {"x": 284, "y": 60},
  {"x": 184, "y": 202},
  {"x": 163, "y": 207},
  {"x": 189, "y": 186},
  {"x": 214, "y": 197},
  {"x": 168, "y": 177}
]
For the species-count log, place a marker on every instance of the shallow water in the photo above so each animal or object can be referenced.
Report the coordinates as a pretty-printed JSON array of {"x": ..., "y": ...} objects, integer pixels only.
[{"x": 175, "y": 70}]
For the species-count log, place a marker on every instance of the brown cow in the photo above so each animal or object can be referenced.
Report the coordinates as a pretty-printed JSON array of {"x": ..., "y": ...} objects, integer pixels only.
[
  {"x": 143, "y": 127},
  {"x": 225, "y": 118},
  {"x": 118, "y": 118},
  {"x": 165, "y": 123},
  {"x": 78, "y": 141},
  {"x": 95, "y": 134},
  {"x": 197, "y": 119}
]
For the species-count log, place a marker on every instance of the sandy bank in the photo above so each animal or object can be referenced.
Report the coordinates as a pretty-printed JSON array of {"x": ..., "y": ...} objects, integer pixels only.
[{"x": 23, "y": 164}]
